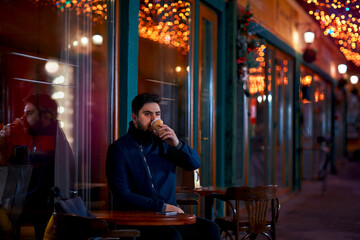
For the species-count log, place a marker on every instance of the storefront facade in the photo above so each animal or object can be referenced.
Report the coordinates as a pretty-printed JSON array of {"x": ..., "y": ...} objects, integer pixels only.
[{"x": 94, "y": 57}]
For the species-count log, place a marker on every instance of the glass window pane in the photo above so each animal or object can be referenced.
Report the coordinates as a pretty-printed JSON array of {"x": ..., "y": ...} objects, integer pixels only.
[
  {"x": 258, "y": 109},
  {"x": 164, "y": 59},
  {"x": 283, "y": 108},
  {"x": 56, "y": 52},
  {"x": 315, "y": 98},
  {"x": 207, "y": 98},
  {"x": 270, "y": 110},
  {"x": 165, "y": 68}
]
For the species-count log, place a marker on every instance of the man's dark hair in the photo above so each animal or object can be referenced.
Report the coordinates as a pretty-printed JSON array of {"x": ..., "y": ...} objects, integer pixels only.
[
  {"x": 141, "y": 99},
  {"x": 44, "y": 103}
]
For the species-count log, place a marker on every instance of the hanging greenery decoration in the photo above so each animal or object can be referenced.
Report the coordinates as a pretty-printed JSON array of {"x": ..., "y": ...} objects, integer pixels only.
[{"x": 246, "y": 44}]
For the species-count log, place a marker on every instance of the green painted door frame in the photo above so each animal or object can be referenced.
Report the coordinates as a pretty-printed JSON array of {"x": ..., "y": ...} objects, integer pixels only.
[
  {"x": 128, "y": 70},
  {"x": 128, "y": 60},
  {"x": 221, "y": 114}
]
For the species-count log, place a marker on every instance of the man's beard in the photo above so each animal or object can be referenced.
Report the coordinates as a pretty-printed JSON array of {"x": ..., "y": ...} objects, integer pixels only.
[
  {"x": 39, "y": 129},
  {"x": 140, "y": 126}
]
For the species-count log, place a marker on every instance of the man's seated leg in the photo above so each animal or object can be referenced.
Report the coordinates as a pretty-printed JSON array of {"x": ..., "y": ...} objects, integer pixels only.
[{"x": 202, "y": 229}]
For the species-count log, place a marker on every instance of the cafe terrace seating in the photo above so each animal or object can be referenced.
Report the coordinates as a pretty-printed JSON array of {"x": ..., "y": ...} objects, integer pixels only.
[{"x": 253, "y": 210}]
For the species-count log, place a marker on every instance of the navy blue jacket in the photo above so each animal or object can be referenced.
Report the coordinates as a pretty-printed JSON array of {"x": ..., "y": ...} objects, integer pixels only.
[{"x": 140, "y": 170}]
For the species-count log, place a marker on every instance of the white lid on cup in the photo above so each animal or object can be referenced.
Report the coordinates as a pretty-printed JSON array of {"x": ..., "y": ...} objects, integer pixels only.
[{"x": 154, "y": 121}]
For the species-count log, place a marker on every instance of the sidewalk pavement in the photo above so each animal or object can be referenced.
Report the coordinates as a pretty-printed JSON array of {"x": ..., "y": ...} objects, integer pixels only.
[{"x": 309, "y": 215}]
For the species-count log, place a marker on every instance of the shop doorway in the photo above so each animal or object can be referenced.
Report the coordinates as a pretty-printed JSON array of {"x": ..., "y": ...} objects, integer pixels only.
[{"x": 207, "y": 94}]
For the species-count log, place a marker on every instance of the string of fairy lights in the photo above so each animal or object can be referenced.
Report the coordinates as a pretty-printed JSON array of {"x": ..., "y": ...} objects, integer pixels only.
[
  {"x": 95, "y": 9},
  {"x": 163, "y": 21},
  {"x": 166, "y": 22},
  {"x": 340, "y": 20}
]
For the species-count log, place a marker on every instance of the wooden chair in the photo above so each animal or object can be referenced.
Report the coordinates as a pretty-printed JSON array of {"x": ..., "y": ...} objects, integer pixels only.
[
  {"x": 76, "y": 227},
  {"x": 261, "y": 206}
]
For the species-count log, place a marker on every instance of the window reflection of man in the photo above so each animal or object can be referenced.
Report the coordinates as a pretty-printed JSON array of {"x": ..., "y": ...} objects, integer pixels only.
[
  {"x": 36, "y": 129},
  {"x": 31, "y": 140}
]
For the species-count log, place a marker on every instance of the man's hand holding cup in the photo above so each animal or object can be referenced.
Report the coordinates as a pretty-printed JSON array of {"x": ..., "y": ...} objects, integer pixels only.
[{"x": 164, "y": 132}]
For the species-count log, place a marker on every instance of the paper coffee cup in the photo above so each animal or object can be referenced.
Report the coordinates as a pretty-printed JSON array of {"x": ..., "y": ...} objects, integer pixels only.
[{"x": 155, "y": 125}]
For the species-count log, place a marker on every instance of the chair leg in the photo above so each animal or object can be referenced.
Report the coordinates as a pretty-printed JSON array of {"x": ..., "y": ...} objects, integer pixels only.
[
  {"x": 247, "y": 235},
  {"x": 253, "y": 236},
  {"x": 273, "y": 233},
  {"x": 266, "y": 235},
  {"x": 228, "y": 235}
]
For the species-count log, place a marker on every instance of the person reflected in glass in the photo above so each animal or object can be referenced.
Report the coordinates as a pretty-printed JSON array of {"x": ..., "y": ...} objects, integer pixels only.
[
  {"x": 140, "y": 170},
  {"x": 32, "y": 140}
]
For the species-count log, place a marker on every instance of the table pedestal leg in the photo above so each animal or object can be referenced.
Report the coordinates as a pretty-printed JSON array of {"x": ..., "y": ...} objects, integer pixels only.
[{"x": 209, "y": 208}]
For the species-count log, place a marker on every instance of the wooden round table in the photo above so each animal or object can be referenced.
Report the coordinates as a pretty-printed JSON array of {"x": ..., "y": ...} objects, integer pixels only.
[{"x": 145, "y": 218}]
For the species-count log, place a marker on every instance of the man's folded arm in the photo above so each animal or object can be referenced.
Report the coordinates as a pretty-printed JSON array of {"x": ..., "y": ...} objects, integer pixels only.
[{"x": 184, "y": 156}]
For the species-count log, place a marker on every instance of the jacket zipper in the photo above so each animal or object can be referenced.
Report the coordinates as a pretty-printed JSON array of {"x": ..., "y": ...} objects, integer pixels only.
[{"x": 148, "y": 171}]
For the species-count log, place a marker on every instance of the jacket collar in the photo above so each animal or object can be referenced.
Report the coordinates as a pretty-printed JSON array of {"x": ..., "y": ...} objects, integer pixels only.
[{"x": 141, "y": 137}]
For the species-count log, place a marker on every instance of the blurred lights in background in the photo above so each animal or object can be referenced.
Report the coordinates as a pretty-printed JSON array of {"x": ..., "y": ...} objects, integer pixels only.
[
  {"x": 177, "y": 69},
  {"x": 309, "y": 36},
  {"x": 58, "y": 95},
  {"x": 354, "y": 79},
  {"x": 59, "y": 80},
  {"x": 51, "y": 67},
  {"x": 262, "y": 98},
  {"x": 259, "y": 99},
  {"x": 94, "y": 9},
  {"x": 306, "y": 80},
  {"x": 256, "y": 76},
  {"x": 61, "y": 109},
  {"x": 84, "y": 41},
  {"x": 63, "y": 92},
  {"x": 340, "y": 20},
  {"x": 342, "y": 68},
  {"x": 97, "y": 39},
  {"x": 166, "y": 22},
  {"x": 304, "y": 91}
]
